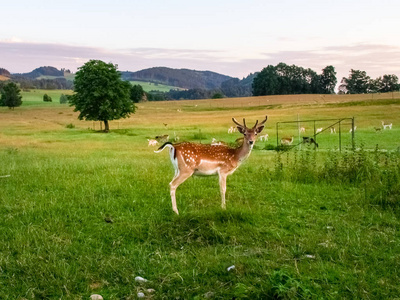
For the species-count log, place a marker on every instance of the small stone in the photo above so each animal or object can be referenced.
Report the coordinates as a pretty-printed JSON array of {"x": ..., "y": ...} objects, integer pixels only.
[
  {"x": 140, "y": 279},
  {"x": 151, "y": 291},
  {"x": 140, "y": 295},
  {"x": 230, "y": 268},
  {"x": 96, "y": 297}
]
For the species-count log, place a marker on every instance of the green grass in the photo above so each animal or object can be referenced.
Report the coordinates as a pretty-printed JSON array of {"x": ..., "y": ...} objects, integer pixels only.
[
  {"x": 34, "y": 97},
  {"x": 85, "y": 212},
  {"x": 150, "y": 86}
]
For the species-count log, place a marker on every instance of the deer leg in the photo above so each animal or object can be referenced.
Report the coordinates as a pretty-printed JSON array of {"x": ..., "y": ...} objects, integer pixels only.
[
  {"x": 222, "y": 187},
  {"x": 178, "y": 179}
]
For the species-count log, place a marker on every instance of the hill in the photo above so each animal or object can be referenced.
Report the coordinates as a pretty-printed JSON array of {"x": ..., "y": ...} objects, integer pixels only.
[
  {"x": 43, "y": 71},
  {"x": 183, "y": 78},
  {"x": 4, "y": 74}
]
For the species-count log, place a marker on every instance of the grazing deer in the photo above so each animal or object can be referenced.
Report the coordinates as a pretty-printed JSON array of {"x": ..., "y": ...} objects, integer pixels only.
[
  {"x": 215, "y": 142},
  {"x": 302, "y": 129},
  {"x": 351, "y": 129},
  {"x": 152, "y": 142},
  {"x": 319, "y": 130},
  {"x": 386, "y": 125},
  {"x": 264, "y": 137},
  {"x": 162, "y": 138},
  {"x": 333, "y": 130},
  {"x": 232, "y": 129},
  {"x": 287, "y": 140},
  {"x": 310, "y": 140},
  {"x": 199, "y": 159}
]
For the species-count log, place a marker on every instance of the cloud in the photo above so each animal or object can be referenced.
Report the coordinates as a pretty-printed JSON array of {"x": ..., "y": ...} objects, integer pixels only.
[{"x": 376, "y": 60}]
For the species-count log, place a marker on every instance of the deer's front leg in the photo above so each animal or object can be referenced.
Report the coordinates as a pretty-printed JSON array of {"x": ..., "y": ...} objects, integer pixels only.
[{"x": 222, "y": 187}]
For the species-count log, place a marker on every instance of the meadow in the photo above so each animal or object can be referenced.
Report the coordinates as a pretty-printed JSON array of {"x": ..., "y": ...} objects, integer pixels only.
[{"x": 84, "y": 212}]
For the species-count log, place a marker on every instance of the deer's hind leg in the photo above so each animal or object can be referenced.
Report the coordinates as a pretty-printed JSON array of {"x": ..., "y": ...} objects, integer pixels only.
[{"x": 179, "y": 178}]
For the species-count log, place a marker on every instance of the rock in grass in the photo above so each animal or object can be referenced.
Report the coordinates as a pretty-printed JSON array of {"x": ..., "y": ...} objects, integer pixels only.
[
  {"x": 140, "y": 279},
  {"x": 140, "y": 295},
  {"x": 96, "y": 297},
  {"x": 230, "y": 268}
]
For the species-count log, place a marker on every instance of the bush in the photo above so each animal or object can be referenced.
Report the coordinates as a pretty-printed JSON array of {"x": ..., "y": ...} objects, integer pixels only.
[
  {"x": 63, "y": 99},
  {"x": 47, "y": 98}
]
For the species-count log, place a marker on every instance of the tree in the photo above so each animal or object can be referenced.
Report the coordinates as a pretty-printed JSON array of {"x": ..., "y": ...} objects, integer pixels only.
[
  {"x": 217, "y": 95},
  {"x": 387, "y": 83},
  {"x": 137, "y": 93},
  {"x": 328, "y": 80},
  {"x": 11, "y": 95},
  {"x": 47, "y": 98},
  {"x": 101, "y": 94},
  {"x": 357, "y": 83},
  {"x": 63, "y": 99},
  {"x": 266, "y": 82}
]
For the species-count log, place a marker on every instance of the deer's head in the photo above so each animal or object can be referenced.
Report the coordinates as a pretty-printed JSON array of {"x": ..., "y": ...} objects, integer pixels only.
[{"x": 249, "y": 134}]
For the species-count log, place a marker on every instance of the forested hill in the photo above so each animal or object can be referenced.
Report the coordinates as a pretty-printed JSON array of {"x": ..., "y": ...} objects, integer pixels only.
[
  {"x": 43, "y": 71},
  {"x": 183, "y": 78}
]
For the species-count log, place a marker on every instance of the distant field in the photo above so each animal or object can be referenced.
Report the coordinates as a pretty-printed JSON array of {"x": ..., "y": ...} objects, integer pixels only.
[
  {"x": 35, "y": 97},
  {"x": 149, "y": 86},
  {"x": 83, "y": 212}
]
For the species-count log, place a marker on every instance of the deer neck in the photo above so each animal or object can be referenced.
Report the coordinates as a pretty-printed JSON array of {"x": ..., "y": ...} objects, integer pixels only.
[{"x": 243, "y": 151}]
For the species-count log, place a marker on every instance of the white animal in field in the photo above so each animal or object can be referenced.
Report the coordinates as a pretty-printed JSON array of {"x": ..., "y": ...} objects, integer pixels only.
[
  {"x": 152, "y": 142},
  {"x": 264, "y": 137},
  {"x": 319, "y": 129},
  {"x": 287, "y": 140},
  {"x": 302, "y": 130},
  {"x": 387, "y": 125},
  {"x": 232, "y": 129},
  {"x": 351, "y": 129},
  {"x": 215, "y": 142},
  {"x": 200, "y": 159},
  {"x": 333, "y": 130}
]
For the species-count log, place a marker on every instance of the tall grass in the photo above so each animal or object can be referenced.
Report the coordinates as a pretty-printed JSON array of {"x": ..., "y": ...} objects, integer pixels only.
[{"x": 377, "y": 173}]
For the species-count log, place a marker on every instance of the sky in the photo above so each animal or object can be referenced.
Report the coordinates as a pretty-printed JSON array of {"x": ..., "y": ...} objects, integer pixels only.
[{"x": 231, "y": 37}]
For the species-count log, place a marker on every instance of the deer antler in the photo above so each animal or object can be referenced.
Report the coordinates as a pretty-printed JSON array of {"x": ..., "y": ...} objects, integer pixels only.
[
  {"x": 262, "y": 123},
  {"x": 255, "y": 125},
  {"x": 237, "y": 123}
]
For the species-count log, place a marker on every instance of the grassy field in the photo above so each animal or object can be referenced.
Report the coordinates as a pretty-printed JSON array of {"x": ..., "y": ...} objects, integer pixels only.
[
  {"x": 150, "y": 86},
  {"x": 84, "y": 212}
]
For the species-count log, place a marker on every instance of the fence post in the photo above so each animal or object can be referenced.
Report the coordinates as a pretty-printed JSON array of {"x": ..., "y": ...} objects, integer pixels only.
[
  {"x": 352, "y": 134},
  {"x": 277, "y": 136},
  {"x": 340, "y": 135}
]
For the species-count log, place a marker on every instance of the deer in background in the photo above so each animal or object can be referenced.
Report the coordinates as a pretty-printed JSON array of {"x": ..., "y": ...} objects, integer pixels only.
[
  {"x": 264, "y": 137},
  {"x": 152, "y": 142},
  {"x": 386, "y": 125},
  {"x": 287, "y": 140},
  {"x": 199, "y": 159}
]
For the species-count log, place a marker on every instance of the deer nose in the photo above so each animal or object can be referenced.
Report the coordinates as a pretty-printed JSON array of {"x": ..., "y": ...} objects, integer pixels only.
[{"x": 251, "y": 142}]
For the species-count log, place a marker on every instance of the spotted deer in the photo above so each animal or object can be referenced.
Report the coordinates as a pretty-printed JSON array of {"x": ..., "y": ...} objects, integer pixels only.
[{"x": 200, "y": 159}]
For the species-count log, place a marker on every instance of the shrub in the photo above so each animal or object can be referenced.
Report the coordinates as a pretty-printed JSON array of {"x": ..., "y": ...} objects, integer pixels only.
[{"x": 47, "y": 98}]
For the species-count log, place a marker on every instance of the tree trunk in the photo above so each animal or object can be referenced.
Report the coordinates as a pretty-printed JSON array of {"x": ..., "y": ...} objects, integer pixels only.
[{"x": 106, "y": 126}]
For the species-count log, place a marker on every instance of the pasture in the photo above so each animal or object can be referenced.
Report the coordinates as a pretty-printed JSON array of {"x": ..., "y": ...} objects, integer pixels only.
[{"x": 84, "y": 212}]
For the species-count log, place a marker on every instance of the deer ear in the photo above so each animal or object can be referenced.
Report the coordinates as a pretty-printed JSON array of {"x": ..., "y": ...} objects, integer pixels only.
[
  {"x": 241, "y": 129},
  {"x": 259, "y": 128}
]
